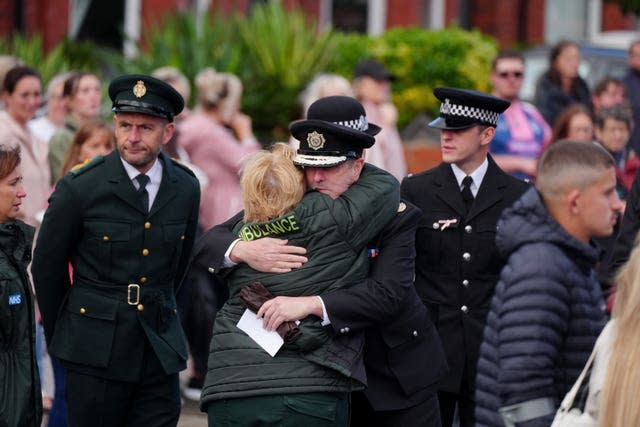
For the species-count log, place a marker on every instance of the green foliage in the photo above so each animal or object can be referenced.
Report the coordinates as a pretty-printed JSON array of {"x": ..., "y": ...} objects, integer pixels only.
[
  {"x": 422, "y": 60},
  {"x": 65, "y": 56},
  {"x": 276, "y": 53},
  {"x": 283, "y": 51},
  {"x": 180, "y": 41},
  {"x": 351, "y": 48}
]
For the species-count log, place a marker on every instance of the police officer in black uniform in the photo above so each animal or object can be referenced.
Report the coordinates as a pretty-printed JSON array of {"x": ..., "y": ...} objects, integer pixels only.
[
  {"x": 403, "y": 356},
  {"x": 457, "y": 263},
  {"x": 125, "y": 223}
]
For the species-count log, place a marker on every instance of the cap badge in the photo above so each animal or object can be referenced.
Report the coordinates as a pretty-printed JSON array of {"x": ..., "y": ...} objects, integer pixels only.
[
  {"x": 446, "y": 107},
  {"x": 315, "y": 140},
  {"x": 139, "y": 90}
]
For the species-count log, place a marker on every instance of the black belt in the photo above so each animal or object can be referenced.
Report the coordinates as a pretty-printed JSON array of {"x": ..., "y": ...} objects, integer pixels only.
[{"x": 132, "y": 295}]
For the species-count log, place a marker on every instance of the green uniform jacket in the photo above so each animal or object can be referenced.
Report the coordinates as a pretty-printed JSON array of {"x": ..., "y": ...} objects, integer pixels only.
[
  {"x": 335, "y": 233},
  {"x": 95, "y": 221},
  {"x": 59, "y": 145},
  {"x": 20, "y": 398}
]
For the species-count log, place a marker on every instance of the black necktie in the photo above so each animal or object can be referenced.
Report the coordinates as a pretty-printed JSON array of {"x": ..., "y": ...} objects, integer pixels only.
[
  {"x": 467, "y": 195},
  {"x": 143, "y": 180}
]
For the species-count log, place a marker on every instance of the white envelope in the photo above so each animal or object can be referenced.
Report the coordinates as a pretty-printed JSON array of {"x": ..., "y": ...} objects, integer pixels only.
[{"x": 270, "y": 341}]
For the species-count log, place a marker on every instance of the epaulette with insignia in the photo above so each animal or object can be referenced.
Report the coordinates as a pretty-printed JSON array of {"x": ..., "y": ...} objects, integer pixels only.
[
  {"x": 81, "y": 168},
  {"x": 177, "y": 162}
]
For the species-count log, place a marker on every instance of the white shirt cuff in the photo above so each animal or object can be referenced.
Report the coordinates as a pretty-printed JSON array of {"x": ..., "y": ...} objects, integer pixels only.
[
  {"x": 227, "y": 256},
  {"x": 325, "y": 316}
]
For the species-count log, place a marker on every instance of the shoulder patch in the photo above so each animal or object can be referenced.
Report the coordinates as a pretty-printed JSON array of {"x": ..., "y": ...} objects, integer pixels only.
[
  {"x": 182, "y": 166},
  {"x": 81, "y": 168}
]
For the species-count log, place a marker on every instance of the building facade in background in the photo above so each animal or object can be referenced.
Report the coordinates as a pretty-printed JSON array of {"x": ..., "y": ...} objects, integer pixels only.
[{"x": 119, "y": 23}]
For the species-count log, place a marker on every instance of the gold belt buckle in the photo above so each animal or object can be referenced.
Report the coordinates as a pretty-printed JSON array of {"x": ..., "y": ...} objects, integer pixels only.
[{"x": 133, "y": 288}]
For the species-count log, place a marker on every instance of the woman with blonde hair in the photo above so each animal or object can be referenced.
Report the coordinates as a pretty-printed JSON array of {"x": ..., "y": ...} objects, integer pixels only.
[
  {"x": 271, "y": 184},
  {"x": 619, "y": 354},
  {"x": 216, "y": 137},
  {"x": 322, "y": 85}
]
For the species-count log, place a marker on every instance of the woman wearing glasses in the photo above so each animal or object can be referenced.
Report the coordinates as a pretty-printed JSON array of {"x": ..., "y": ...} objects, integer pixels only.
[{"x": 522, "y": 131}]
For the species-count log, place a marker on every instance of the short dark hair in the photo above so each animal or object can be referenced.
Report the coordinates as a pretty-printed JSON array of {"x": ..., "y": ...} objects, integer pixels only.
[
  {"x": 506, "y": 54},
  {"x": 9, "y": 159},
  {"x": 570, "y": 164},
  {"x": 617, "y": 112},
  {"x": 16, "y": 74},
  {"x": 603, "y": 84}
]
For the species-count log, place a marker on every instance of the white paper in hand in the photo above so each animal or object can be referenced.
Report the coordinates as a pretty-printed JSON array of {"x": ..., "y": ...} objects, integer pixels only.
[{"x": 270, "y": 341}]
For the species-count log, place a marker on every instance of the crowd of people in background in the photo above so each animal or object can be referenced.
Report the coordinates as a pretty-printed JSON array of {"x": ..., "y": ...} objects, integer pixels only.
[{"x": 502, "y": 264}]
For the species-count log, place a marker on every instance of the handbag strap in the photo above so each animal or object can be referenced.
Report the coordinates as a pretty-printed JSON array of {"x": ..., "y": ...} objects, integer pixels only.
[{"x": 567, "y": 402}]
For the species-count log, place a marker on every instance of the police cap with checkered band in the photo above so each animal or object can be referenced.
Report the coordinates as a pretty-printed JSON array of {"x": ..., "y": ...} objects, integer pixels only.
[
  {"x": 463, "y": 108},
  {"x": 336, "y": 129},
  {"x": 139, "y": 93}
]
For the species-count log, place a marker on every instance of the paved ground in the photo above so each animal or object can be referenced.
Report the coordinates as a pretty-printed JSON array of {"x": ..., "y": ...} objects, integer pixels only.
[{"x": 191, "y": 415}]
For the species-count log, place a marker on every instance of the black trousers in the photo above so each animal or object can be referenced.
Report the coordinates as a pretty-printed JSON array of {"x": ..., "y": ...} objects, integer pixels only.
[
  {"x": 464, "y": 400},
  {"x": 281, "y": 410},
  {"x": 425, "y": 414},
  {"x": 201, "y": 296},
  {"x": 154, "y": 400}
]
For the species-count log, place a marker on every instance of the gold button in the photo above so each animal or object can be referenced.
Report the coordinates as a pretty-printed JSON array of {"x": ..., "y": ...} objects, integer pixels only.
[
  {"x": 147, "y": 225},
  {"x": 145, "y": 252},
  {"x": 140, "y": 307},
  {"x": 83, "y": 310},
  {"x": 105, "y": 238},
  {"x": 182, "y": 237},
  {"x": 143, "y": 279}
]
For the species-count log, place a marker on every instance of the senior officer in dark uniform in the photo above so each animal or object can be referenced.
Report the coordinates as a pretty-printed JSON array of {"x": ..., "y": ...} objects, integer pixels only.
[
  {"x": 403, "y": 356},
  {"x": 457, "y": 263},
  {"x": 126, "y": 224}
]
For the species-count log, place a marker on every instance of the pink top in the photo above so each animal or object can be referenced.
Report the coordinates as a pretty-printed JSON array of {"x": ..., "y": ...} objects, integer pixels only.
[
  {"x": 34, "y": 166},
  {"x": 387, "y": 153},
  {"x": 216, "y": 151}
]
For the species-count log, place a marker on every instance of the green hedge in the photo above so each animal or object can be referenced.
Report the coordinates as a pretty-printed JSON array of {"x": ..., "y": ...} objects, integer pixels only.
[{"x": 422, "y": 60}]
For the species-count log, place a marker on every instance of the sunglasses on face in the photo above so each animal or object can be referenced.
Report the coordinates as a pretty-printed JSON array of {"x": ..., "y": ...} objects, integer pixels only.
[{"x": 516, "y": 74}]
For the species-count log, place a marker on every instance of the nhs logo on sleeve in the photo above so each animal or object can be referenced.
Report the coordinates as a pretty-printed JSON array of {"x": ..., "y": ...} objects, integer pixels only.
[{"x": 15, "y": 299}]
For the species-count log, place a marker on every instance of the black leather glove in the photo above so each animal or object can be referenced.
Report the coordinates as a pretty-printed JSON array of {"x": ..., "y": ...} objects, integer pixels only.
[{"x": 254, "y": 295}]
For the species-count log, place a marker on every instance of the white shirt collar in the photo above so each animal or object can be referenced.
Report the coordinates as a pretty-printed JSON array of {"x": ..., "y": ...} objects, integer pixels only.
[
  {"x": 154, "y": 174},
  {"x": 477, "y": 176}
]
